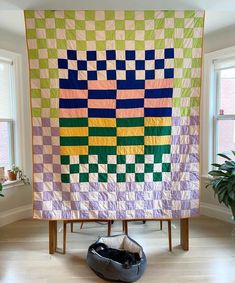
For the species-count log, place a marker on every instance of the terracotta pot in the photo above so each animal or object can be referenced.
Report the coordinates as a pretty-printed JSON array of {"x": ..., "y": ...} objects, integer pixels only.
[{"x": 11, "y": 176}]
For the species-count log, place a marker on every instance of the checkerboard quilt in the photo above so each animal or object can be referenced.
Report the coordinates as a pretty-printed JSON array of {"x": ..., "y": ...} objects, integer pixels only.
[{"x": 115, "y": 113}]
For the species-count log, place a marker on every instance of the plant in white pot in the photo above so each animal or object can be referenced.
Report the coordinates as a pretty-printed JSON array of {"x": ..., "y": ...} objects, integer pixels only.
[{"x": 223, "y": 181}]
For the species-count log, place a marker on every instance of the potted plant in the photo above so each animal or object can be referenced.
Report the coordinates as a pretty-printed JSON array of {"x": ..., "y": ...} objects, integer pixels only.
[
  {"x": 13, "y": 172},
  {"x": 223, "y": 181}
]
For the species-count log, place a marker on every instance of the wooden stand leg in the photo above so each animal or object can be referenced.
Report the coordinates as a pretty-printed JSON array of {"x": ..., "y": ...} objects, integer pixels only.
[
  {"x": 125, "y": 223},
  {"x": 169, "y": 235},
  {"x": 52, "y": 236},
  {"x": 81, "y": 225},
  {"x": 71, "y": 227},
  {"x": 64, "y": 236},
  {"x": 184, "y": 233},
  {"x": 161, "y": 225},
  {"x": 109, "y": 227}
]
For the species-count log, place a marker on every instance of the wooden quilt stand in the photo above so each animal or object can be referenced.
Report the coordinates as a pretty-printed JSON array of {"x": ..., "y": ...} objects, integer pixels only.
[{"x": 184, "y": 234}]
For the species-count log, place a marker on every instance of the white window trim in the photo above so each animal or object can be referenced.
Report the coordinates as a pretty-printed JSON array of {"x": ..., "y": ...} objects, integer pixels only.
[
  {"x": 208, "y": 107},
  {"x": 19, "y": 129}
]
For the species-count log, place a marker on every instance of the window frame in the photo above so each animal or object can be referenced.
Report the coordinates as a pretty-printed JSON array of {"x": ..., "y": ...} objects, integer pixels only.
[
  {"x": 218, "y": 117},
  {"x": 210, "y": 107},
  {"x": 17, "y": 129}
]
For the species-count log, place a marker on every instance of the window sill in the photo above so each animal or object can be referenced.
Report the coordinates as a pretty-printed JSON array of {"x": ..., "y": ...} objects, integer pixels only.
[{"x": 12, "y": 184}]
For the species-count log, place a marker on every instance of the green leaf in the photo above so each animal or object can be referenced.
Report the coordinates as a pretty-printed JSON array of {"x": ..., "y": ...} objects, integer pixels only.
[
  {"x": 226, "y": 200},
  {"x": 216, "y": 173},
  {"x": 217, "y": 183},
  {"x": 221, "y": 196},
  {"x": 224, "y": 156},
  {"x": 230, "y": 162},
  {"x": 232, "y": 195},
  {"x": 216, "y": 164},
  {"x": 228, "y": 166}
]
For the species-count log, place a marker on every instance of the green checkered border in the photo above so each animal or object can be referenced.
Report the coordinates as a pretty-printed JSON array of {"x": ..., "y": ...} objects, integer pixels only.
[
  {"x": 85, "y": 29},
  {"x": 51, "y": 33},
  {"x": 112, "y": 168}
]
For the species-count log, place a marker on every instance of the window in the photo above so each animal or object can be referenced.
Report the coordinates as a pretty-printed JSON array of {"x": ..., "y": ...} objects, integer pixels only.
[
  {"x": 217, "y": 107},
  {"x": 224, "y": 112},
  {"x": 7, "y": 113}
]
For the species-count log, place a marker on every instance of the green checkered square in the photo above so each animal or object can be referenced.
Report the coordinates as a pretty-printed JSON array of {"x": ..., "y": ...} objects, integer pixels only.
[
  {"x": 148, "y": 168},
  {"x": 102, "y": 159},
  {"x": 158, "y": 158},
  {"x": 93, "y": 168},
  {"x": 121, "y": 177},
  {"x": 36, "y": 112},
  {"x": 130, "y": 168},
  {"x": 83, "y": 159},
  {"x": 64, "y": 159},
  {"x": 194, "y": 102},
  {"x": 121, "y": 159},
  {"x": 45, "y": 103},
  {"x": 65, "y": 178},
  {"x": 157, "y": 177},
  {"x": 139, "y": 177},
  {"x": 83, "y": 177},
  {"x": 112, "y": 168},
  {"x": 102, "y": 177},
  {"x": 54, "y": 93},
  {"x": 139, "y": 158},
  {"x": 74, "y": 168},
  {"x": 166, "y": 167}
]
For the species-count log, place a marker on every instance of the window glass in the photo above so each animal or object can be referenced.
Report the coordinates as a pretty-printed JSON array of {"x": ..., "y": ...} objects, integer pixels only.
[
  {"x": 226, "y": 137},
  {"x": 227, "y": 92},
  {"x": 5, "y": 90},
  {"x": 6, "y": 113},
  {"x": 5, "y": 144}
]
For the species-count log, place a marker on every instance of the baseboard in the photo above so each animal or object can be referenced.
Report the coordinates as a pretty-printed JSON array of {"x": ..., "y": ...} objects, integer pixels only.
[
  {"x": 15, "y": 214},
  {"x": 215, "y": 211}
]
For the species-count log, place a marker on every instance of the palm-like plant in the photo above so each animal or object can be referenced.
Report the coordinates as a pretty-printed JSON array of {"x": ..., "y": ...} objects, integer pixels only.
[{"x": 223, "y": 181}]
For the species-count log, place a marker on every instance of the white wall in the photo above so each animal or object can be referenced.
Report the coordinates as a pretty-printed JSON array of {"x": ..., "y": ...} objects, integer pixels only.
[
  {"x": 17, "y": 201},
  {"x": 219, "y": 39}
]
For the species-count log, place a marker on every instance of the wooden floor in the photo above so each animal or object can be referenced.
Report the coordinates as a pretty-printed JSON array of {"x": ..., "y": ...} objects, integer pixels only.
[{"x": 24, "y": 254}]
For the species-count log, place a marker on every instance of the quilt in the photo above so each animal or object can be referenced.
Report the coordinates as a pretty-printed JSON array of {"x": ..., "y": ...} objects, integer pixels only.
[{"x": 115, "y": 101}]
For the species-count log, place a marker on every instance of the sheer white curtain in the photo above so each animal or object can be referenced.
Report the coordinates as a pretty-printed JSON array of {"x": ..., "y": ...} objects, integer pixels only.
[{"x": 6, "y": 113}]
